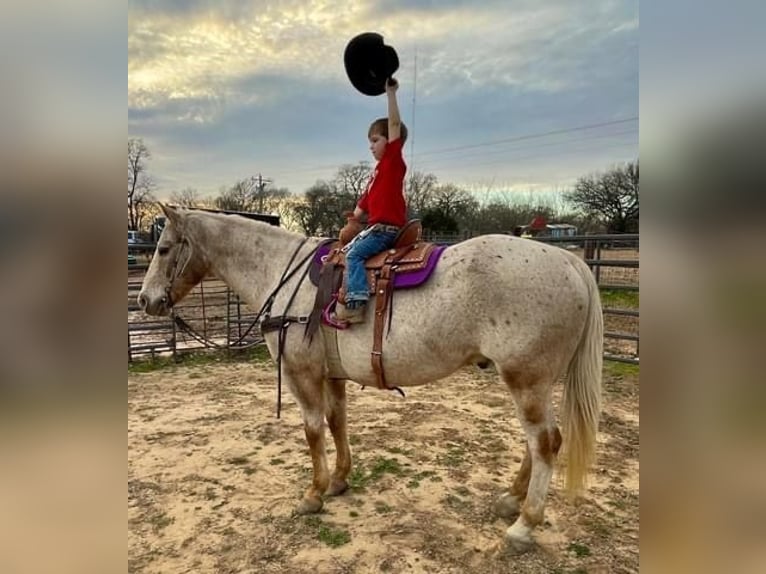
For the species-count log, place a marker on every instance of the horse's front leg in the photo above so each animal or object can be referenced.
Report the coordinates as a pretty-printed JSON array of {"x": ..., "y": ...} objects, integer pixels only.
[
  {"x": 336, "y": 420},
  {"x": 306, "y": 387},
  {"x": 313, "y": 425}
]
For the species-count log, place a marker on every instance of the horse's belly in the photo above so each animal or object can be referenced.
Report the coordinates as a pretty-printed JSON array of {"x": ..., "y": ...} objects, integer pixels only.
[
  {"x": 411, "y": 356},
  {"x": 401, "y": 370}
]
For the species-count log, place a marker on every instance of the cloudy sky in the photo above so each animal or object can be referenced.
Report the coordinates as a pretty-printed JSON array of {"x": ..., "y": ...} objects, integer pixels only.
[{"x": 500, "y": 94}]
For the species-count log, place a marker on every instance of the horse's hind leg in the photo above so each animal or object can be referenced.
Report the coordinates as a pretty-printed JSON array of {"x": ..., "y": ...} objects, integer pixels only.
[
  {"x": 509, "y": 505},
  {"x": 533, "y": 402},
  {"x": 336, "y": 420}
]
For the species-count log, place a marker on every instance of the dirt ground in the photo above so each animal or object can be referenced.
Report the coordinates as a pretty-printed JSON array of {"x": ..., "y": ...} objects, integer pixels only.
[{"x": 213, "y": 478}]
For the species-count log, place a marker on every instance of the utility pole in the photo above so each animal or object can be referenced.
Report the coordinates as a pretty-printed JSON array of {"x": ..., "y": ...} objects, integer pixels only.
[
  {"x": 412, "y": 124},
  {"x": 260, "y": 184}
]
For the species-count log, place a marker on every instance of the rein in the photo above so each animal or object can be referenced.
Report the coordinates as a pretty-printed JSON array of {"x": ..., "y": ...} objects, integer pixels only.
[
  {"x": 282, "y": 322},
  {"x": 266, "y": 308},
  {"x": 177, "y": 270}
]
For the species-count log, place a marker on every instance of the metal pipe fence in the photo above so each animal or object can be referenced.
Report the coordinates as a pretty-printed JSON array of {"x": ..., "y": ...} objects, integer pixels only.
[{"x": 614, "y": 261}]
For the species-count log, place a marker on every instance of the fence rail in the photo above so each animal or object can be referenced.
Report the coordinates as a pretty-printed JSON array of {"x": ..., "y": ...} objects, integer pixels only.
[{"x": 217, "y": 315}]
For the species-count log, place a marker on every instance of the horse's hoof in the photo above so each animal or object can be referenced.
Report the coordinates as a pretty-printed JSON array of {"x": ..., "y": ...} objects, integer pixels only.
[
  {"x": 337, "y": 487},
  {"x": 309, "y": 506},
  {"x": 516, "y": 546},
  {"x": 507, "y": 506},
  {"x": 518, "y": 539}
]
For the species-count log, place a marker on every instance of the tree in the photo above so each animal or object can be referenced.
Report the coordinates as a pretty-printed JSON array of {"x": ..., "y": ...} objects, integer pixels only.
[
  {"x": 455, "y": 203},
  {"x": 251, "y": 194},
  {"x": 420, "y": 192},
  {"x": 321, "y": 211},
  {"x": 610, "y": 196},
  {"x": 435, "y": 220},
  {"x": 187, "y": 197},
  {"x": 140, "y": 185},
  {"x": 352, "y": 179}
]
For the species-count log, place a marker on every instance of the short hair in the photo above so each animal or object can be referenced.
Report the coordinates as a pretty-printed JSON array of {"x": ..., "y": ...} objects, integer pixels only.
[{"x": 380, "y": 126}]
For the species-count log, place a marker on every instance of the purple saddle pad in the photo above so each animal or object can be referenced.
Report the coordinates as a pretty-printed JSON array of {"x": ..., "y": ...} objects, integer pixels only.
[{"x": 402, "y": 279}]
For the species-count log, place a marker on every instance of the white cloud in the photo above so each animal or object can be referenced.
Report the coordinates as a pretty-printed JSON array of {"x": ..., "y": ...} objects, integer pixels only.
[{"x": 205, "y": 77}]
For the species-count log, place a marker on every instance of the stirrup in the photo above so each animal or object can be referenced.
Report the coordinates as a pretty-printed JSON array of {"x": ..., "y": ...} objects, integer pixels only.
[{"x": 328, "y": 317}]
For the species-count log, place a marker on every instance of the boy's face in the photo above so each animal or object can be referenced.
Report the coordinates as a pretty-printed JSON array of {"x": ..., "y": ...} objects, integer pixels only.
[{"x": 377, "y": 145}]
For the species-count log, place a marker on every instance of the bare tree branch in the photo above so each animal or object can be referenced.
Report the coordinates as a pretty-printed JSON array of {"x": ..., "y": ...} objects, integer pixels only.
[
  {"x": 611, "y": 196},
  {"x": 140, "y": 184}
]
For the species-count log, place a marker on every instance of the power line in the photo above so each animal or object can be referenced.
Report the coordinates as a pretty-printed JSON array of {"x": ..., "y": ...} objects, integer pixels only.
[
  {"x": 436, "y": 161},
  {"x": 520, "y": 138},
  {"x": 533, "y": 156},
  {"x": 532, "y": 136}
]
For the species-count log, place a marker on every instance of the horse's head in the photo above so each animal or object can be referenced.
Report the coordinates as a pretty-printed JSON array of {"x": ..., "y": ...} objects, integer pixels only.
[{"x": 177, "y": 266}]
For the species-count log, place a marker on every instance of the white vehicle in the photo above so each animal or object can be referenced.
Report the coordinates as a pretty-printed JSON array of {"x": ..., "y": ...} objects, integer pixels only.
[{"x": 132, "y": 237}]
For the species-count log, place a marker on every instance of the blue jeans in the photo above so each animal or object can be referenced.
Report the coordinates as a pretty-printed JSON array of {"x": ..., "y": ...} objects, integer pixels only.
[{"x": 362, "y": 249}]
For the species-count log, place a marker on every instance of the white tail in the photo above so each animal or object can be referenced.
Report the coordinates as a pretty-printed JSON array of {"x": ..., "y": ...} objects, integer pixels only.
[{"x": 582, "y": 391}]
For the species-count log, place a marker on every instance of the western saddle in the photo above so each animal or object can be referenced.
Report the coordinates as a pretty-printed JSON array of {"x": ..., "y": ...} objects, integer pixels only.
[{"x": 409, "y": 253}]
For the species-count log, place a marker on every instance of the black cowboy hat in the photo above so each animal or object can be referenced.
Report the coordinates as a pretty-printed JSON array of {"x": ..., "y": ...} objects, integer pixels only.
[{"x": 369, "y": 63}]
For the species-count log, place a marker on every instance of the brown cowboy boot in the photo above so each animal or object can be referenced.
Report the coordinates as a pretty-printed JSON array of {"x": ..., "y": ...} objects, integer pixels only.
[{"x": 355, "y": 315}]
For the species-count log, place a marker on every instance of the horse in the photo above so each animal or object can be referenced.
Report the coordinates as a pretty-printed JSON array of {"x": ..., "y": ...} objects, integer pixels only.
[{"x": 531, "y": 309}]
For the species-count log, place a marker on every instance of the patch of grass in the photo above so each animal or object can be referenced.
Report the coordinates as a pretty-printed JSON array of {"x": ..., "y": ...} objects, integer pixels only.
[
  {"x": 160, "y": 521},
  {"x": 423, "y": 474},
  {"x": 618, "y": 369},
  {"x": 332, "y": 537},
  {"x": 453, "y": 456},
  {"x": 258, "y": 354},
  {"x": 619, "y": 504},
  {"x": 598, "y": 527},
  {"x": 276, "y": 460},
  {"x": 183, "y": 359},
  {"x": 358, "y": 478},
  {"x": 313, "y": 521},
  {"x": 326, "y": 534},
  {"x": 354, "y": 439},
  {"x": 382, "y": 466},
  {"x": 381, "y": 507},
  {"x": 353, "y": 513},
  {"x": 579, "y": 549},
  {"x": 619, "y": 299},
  {"x": 150, "y": 365},
  {"x": 455, "y": 502},
  {"x": 238, "y": 460}
]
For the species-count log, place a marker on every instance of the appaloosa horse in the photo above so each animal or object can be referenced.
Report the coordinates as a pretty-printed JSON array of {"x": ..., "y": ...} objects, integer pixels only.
[{"x": 531, "y": 309}]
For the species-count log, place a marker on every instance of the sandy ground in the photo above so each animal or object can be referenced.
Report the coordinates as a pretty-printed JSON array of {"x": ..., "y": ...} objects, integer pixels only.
[{"x": 213, "y": 478}]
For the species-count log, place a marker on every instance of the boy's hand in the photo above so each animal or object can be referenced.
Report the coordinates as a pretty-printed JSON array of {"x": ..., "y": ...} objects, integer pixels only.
[{"x": 391, "y": 85}]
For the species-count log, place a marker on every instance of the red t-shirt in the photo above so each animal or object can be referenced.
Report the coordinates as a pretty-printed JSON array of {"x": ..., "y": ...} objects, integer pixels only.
[{"x": 383, "y": 200}]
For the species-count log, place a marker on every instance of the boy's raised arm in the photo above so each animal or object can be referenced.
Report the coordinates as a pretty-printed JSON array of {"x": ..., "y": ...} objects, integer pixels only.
[{"x": 394, "y": 121}]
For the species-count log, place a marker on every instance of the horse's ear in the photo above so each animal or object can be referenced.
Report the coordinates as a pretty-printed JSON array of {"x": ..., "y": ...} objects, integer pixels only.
[{"x": 172, "y": 214}]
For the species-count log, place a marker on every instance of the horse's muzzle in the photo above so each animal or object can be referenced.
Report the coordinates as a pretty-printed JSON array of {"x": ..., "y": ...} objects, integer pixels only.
[{"x": 157, "y": 306}]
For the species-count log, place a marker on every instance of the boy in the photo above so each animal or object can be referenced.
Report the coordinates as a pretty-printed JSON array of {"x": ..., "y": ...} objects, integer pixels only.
[{"x": 383, "y": 201}]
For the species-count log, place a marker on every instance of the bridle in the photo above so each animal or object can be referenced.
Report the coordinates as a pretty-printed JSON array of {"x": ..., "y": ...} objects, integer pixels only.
[{"x": 179, "y": 266}]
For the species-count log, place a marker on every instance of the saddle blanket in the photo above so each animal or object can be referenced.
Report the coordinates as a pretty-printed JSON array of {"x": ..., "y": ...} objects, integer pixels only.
[{"x": 402, "y": 280}]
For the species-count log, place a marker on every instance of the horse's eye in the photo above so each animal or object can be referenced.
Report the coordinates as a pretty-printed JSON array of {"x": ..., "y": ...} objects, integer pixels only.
[{"x": 163, "y": 250}]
